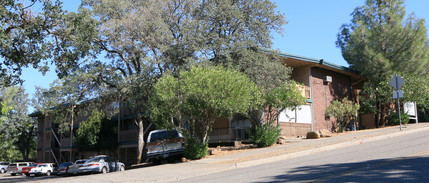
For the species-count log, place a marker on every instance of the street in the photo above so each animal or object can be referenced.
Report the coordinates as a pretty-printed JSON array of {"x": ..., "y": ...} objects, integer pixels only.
[{"x": 399, "y": 159}]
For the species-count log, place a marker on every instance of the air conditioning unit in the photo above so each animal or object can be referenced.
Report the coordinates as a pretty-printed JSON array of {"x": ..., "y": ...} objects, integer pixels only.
[{"x": 328, "y": 79}]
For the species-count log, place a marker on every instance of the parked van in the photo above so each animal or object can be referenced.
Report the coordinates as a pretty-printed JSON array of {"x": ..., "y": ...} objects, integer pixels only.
[
  {"x": 164, "y": 144},
  {"x": 16, "y": 167}
]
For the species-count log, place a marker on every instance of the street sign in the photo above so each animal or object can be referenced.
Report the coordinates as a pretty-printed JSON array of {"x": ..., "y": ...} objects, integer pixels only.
[
  {"x": 398, "y": 94},
  {"x": 397, "y": 81}
]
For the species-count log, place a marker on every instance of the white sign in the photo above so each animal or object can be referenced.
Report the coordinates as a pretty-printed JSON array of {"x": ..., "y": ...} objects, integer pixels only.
[{"x": 409, "y": 108}]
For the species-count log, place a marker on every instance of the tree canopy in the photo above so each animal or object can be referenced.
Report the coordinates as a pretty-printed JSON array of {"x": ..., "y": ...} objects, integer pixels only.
[
  {"x": 17, "y": 130},
  {"x": 142, "y": 40},
  {"x": 25, "y": 36},
  {"x": 200, "y": 96},
  {"x": 379, "y": 43}
]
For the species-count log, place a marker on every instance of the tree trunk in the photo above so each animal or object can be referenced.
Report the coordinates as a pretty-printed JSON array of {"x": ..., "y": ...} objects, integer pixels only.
[
  {"x": 383, "y": 115},
  {"x": 140, "y": 141}
]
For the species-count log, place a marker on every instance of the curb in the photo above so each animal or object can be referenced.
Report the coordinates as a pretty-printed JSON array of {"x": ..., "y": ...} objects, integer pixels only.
[{"x": 327, "y": 148}]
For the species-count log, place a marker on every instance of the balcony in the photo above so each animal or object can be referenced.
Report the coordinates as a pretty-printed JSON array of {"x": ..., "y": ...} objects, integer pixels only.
[
  {"x": 65, "y": 142},
  {"x": 128, "y": 135}
]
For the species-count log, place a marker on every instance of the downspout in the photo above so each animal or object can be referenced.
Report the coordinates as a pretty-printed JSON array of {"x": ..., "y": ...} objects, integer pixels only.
[
  {"x": 326, "y": 104},
  {"x": 312, "y": 103}
]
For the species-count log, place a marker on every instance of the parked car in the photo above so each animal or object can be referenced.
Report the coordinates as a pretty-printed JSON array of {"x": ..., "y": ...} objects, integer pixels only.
[
  {"x": 26, "y": 170},
  {"x": 101, "y": 164},
  {"x": 42, "y": 169},
  {"x": 72, "y": 170},
  {"x": 3, "y": 167},
  {"x": 164, "y": 144},
  {"x": 62, "y": 169},
  {"x": 16, "y": 167}
]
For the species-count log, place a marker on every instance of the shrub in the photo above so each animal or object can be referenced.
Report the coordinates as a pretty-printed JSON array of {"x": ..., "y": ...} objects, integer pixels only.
[
  {"x": 265, "y": 135},
  {"x": 394, "y": 119},
  {"x": 345, "y": 111},
  {"x": 195, "y": 149}
]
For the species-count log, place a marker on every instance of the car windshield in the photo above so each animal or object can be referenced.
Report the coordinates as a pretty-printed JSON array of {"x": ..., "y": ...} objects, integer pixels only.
[
  {"x": 33, "y": 165},
  {"x": 43, "y": 165},
  {"x": 13, "y": 164},
  {"x": 169, "y": 134},
  {"x": 4, "y": 163}
]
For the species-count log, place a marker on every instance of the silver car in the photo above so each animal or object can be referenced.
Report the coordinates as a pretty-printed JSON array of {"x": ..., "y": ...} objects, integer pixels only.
[
  {"x": 73, "y": 169},
  {"x": 101, "y": 164},
  {"x": 3, "y": 167}
]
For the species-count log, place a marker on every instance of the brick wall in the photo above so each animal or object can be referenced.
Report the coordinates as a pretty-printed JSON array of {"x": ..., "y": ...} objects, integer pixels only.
[
  {"x": 339, "y": 88},
  {"x": 294, "y": 129}
]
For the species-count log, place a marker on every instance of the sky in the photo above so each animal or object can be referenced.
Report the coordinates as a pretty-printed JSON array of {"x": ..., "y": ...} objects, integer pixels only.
[{"x": 311, "y": 31}]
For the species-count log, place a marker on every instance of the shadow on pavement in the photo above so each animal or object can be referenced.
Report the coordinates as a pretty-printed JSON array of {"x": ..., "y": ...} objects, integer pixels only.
[{"x": 414, "y": 169}]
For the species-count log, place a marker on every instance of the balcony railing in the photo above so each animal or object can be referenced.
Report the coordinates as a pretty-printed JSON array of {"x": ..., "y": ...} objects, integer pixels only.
[
  {"x": 128, "y": 135},
  {"x": 220, "y": 135}
]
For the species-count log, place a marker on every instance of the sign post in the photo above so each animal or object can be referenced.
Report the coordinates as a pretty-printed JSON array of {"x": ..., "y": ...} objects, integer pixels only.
[{"x": 396, "y": 82}]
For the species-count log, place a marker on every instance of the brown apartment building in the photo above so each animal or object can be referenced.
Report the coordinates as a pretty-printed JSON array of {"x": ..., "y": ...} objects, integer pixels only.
[{"x": 324, "y": 82}]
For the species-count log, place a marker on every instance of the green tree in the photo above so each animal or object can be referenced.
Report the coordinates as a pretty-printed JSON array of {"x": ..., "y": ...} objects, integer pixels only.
[
  {"x": 285, "y": 96},
  {"x": 89, "y": 130},
  {"x": 9, "y": 151},
  {"x": 97, "y": 133},
  {"x": 344, "y": 111},
  {"x": 200, "y": 96},
  {"x": 25, "y": 36},
  {"x": 142, "y": 40},
  {"x": 380, "y": 42},
  {"x": 18, "y": 130}
]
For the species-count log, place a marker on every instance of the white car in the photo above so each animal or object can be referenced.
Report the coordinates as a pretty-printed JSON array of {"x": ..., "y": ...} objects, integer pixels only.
[
  {"x": 3, "y": 166},
  {"x": 42, "y": 169}
]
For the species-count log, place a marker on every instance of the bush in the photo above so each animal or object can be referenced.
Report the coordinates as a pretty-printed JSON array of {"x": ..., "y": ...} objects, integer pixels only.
[
  {"x": 265, "y": 135},
  {"x": 394, "y": 119},
  {"x": 195, "y": 149}
]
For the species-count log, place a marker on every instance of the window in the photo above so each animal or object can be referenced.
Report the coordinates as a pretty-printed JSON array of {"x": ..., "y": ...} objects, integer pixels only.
[{"x": 170, "y": 134}]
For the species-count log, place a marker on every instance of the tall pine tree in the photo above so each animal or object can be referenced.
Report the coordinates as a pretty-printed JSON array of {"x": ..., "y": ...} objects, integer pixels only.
[{"x": 380, "y": 42}]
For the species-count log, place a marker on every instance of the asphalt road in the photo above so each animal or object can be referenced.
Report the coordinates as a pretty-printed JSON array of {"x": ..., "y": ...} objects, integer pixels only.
[{"x": 398, "y": 159}]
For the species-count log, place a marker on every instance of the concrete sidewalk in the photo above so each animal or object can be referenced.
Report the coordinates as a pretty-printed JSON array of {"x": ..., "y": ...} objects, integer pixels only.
[
  {"x": 303, "y": 147},
  {"x": 252, "y": 157}
]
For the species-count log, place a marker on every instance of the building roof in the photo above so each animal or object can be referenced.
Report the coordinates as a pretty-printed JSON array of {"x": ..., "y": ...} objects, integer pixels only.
[{"x": 294, "y": 61}]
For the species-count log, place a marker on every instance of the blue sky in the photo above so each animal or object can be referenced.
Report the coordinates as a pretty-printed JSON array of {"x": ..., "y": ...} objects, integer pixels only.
[{"x": 311, "y": 31}]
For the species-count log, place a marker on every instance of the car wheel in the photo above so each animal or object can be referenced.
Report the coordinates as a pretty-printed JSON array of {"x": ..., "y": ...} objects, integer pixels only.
[
  {"x": 122, "y": 169},
  {"x": 104, "y": 170},
  {"x": 13, "y": 174},
  {"x": 48, "y": 173},
  {"x": 2, "y": 170},
  {"x": 27, "y": 174}
]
